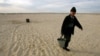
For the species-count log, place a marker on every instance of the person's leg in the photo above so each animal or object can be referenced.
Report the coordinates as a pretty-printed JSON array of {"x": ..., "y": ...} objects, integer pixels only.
[{"x": 68, "y": 38}]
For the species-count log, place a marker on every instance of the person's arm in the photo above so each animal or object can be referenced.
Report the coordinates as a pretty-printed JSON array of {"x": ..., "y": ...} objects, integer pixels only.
[
  {"x": 77, "y": 23},
  {"x": 63, "y": 24}
]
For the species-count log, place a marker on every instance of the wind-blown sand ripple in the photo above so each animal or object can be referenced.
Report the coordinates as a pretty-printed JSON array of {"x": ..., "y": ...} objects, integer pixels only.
[{"x": 39, "y": 37}]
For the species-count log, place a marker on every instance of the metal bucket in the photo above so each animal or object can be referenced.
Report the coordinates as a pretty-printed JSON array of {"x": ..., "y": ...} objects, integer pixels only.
[{"x": 61, "y": 41}]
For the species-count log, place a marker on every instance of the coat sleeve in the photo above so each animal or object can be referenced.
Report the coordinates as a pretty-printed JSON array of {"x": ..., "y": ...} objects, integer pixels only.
[
  {"x": 77, "y": 23},
  {"x": 63, "y": 25}
]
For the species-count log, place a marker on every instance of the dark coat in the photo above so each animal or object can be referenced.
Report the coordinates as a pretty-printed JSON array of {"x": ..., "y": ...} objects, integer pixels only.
[{"x": 69, "y": 30}]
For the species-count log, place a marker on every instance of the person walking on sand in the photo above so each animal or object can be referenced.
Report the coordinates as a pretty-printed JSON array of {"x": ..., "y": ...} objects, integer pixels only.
[{"x": 68, "y": 26}]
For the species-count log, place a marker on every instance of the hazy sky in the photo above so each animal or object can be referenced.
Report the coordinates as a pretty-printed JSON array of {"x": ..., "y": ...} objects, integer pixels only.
[{"x": 27, "y": 6}]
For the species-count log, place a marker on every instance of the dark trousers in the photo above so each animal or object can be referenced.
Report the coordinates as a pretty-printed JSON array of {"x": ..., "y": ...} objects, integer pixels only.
[{"x": 68, "y": 38}]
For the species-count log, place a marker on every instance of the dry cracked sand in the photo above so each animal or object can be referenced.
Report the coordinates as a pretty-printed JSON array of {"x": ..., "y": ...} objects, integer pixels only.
[{"x": 39, "y": 37}]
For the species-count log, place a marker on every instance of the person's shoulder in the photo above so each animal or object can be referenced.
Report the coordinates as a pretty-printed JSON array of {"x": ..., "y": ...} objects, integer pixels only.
[
  {"x": 75, "y": 17},
  {"x": 67, "y": 16}
]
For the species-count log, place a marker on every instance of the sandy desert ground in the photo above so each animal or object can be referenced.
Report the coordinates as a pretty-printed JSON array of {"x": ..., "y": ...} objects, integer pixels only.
[{"x": 39, "y": 37}]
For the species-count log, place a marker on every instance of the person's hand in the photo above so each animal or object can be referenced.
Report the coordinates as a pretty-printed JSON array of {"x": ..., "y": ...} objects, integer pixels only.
[{"x": 82, "y": 29}]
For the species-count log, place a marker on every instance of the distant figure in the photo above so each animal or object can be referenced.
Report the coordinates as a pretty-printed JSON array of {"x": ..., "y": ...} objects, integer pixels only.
[
  {"x": 68, "y": 26},
  {"x": 27, "y": 20}
]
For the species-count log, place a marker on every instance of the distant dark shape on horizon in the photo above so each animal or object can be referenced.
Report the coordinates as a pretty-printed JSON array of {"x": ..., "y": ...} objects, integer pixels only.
[{"x": 27, "y": 20}]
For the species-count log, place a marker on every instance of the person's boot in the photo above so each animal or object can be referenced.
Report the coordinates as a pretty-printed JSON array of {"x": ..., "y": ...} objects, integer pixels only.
[{"x": 66, "y": 49}]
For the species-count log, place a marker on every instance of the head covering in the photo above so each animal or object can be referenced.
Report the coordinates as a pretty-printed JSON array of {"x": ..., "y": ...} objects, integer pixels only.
[{"x": 73, "y": 9}]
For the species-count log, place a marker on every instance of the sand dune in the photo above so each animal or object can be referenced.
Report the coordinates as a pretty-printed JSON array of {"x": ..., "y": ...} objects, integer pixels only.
[{"x": 39, "y": 37}]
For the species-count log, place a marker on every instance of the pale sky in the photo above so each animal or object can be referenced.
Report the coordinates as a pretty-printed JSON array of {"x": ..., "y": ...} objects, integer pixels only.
[{"x": 58, "y": 6}]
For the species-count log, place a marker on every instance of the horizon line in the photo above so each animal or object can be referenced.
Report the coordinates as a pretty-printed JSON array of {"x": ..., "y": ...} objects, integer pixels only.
[{"x": 44, "y": 13}]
